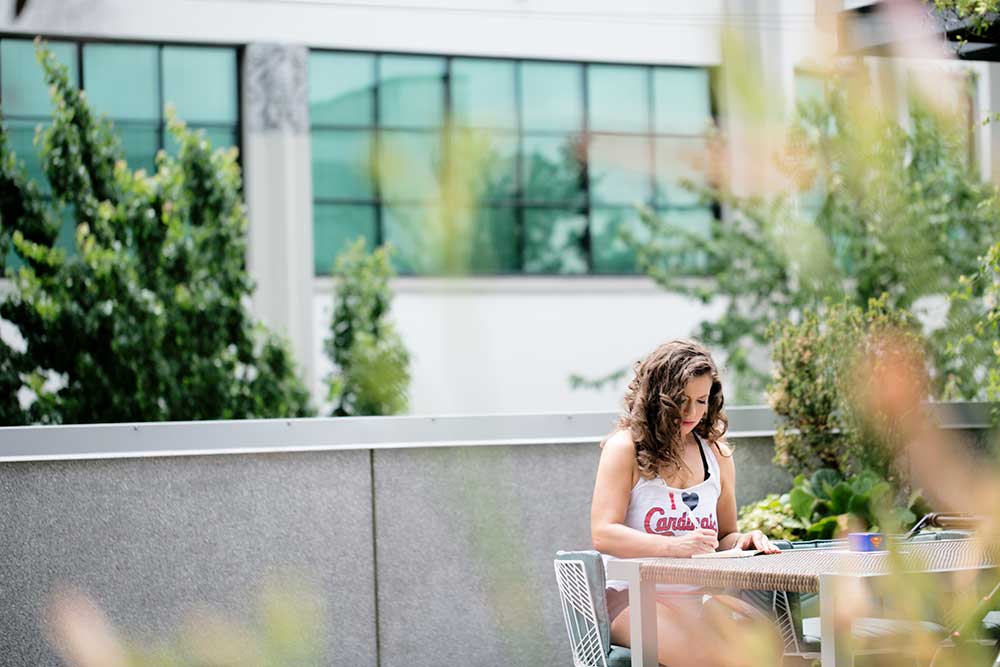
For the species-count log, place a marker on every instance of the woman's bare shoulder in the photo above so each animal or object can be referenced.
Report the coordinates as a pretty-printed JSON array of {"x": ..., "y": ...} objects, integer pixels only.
[
  {"x": 619, "y": 442},
  {"x": 724, "y": 455},
  {"x": 723, "y": 449}
]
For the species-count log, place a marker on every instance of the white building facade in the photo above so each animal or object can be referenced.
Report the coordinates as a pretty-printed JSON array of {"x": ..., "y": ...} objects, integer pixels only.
[{"x": 586, "y": 108}]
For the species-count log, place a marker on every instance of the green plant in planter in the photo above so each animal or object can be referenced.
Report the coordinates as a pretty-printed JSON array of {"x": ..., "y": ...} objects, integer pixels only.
[
  {"x": 372, "y": 375},
  {"x": 820, "y": 505},
  {"x": 817, "y": 362},
  {"x": 774, "y": 516}
]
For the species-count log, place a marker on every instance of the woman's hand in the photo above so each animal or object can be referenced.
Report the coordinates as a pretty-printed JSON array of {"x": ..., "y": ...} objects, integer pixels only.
[
  {"x": 697, "y": 541},
  {"x": 755, "y": 539}
]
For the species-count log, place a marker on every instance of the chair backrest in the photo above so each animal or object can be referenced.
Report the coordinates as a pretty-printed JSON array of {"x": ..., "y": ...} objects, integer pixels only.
[{"x": 580, "y": 576}]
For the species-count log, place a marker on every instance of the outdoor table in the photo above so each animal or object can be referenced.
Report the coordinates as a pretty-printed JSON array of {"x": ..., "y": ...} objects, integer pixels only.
[{"x": 806, "y": 571}]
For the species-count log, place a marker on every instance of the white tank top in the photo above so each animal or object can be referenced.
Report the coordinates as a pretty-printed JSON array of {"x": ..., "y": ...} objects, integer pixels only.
[{"x": 656, "y": 508}]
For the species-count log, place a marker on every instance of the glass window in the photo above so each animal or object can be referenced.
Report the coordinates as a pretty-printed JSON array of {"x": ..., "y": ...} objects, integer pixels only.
[
  {"x": 482, "y": 92},
  {"x": 341, "y": 89},
  {"x": 552, "y": 97},
  {"x": 218, "y": 137},
  {"x": 67, "y": 231},
  {"x": 679, "y": 160},
  {"x": 540, "y": 144},
  {"x": 426, "y": 243},
  {"x": 337, "y": 226},
  {"x": 687, "y": 254},
  {"x": 341, "y": 164},
  {"x": 409, "y": 165},
  {"x": 411, "y": 91},
  {"x": 495, "y": 156},
  {"x": 619, "y": 169},
  {"x": 618, "y": 98},
  {"x": 221, "y": 137},
  {"x": 553, "y": 241},
  {"x": 682, "y": 98},
  {"x": 412, "y": 232},
  {"x": 200, "y": 82},
  {"x": 697, "y": 220},
  {"x": 610, "y": 252},
  {"x": 21, "y": 136},
  {"x": 552, "y": 169},
  {"x": 494, "y": 244},
  {"x": 140, "y": 143},
  {"x": 22, "y": 83},
  {"x": 106, "y": 67}
]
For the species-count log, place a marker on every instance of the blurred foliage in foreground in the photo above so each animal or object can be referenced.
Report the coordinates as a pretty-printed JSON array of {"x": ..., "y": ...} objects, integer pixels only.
[
  {"x": 877, "y": 208},
  {"x": 147, "y": 319},
  {"x": 289, "y": 622},
  {"x": 372, "y": 374}
]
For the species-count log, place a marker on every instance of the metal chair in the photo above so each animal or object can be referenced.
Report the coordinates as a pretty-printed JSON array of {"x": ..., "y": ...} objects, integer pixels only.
[{"x": 581, "y": 580}]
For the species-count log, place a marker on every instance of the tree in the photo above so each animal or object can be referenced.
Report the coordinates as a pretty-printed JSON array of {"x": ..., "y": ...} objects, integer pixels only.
[
  {"x": 817, "y": 385},
  {"x": 879, "y": 208},
  {"x": 980, "y": 296},
  {"x": 147, "y": 319},
  {"x": 372, "y": 375}
]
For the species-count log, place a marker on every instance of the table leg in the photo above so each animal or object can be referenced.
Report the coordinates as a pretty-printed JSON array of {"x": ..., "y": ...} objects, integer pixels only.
[
  {"x": 835, "y": 642},
  {"x": 642, "y": 617}
]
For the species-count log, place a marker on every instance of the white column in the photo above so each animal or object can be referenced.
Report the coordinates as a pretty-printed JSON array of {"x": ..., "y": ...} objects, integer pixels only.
[
  {"x": 278, "y": 187},
  {"x": 989, "y": 103}
]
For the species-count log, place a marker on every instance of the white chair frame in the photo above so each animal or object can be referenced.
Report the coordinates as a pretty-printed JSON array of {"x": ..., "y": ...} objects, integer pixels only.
[{"x": 580, "y": 614}]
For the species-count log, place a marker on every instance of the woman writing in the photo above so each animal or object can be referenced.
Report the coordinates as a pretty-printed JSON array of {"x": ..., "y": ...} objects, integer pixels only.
[{"x": 665, "y": 488}]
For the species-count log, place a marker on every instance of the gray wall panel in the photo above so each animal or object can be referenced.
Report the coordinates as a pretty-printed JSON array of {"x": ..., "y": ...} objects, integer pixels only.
[
  {"x": 153, "y": 540},
  {"x": 464, "y": 531},
  {"x": 465, "y": 543},
  {"x": 756, "y": 473}
]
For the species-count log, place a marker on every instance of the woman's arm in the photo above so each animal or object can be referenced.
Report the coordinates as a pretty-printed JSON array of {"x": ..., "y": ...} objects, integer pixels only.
[
  {"x": 612, "y": 490},
  {"x": 729, "y": 535}
]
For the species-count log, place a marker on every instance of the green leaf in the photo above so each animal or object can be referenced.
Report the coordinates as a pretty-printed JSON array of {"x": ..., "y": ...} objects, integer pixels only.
[
  {"x": 864, "y": 482},
  {"x": 802, "y": 503},
  {"x": 824, "y": 480},
  {"x": 823, "y": 529},
  {"x": 860, "y": 505},
  {"x": 840, "y": 498}
]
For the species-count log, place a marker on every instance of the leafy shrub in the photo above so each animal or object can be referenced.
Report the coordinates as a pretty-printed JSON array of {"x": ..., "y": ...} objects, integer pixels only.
[
  {"x": 147, "y": 320},
  {"x": 882, "y": 207},
  {"x": 372, "y": 375},
  {"x": 819, "y": 506},
  {"x": 774, "y": 516},
  {"x": 814, "y": 388},
  {"x": 979, "y": 297}
]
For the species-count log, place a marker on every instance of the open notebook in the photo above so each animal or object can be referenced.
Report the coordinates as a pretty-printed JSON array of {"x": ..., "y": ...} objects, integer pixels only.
[{"x": 729, "y": 553}]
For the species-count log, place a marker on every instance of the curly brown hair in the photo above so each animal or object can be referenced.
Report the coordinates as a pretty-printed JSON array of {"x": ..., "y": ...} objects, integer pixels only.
[{"x": 654, "y": 400}]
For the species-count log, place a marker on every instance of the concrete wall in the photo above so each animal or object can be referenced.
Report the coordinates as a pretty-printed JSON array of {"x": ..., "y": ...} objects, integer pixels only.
[
  {"x": 449, "y": 546},
  {"x": 428, "y": 539},
  {"x": 154, "y": 540}
]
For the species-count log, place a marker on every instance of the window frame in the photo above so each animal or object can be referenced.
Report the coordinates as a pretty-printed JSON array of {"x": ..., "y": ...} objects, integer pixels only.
[
  {"x": 518, "y": 199},
  {"x": 78, "y": 43}
]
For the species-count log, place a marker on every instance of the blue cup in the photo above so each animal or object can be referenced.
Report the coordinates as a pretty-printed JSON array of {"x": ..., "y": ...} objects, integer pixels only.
[{"x": 866, "y": 541}]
